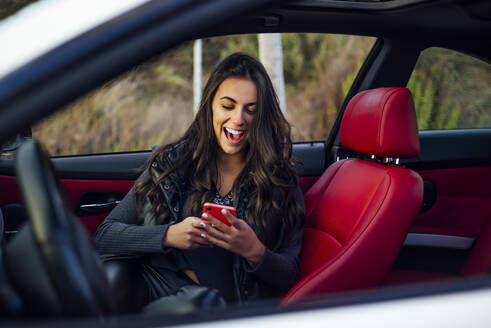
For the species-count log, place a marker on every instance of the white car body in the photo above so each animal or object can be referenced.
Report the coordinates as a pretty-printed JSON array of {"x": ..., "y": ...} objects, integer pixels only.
[{"x": 44, "y": 25}]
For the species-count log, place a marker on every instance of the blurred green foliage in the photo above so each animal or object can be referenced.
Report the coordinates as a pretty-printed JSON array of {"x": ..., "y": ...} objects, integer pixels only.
[
  {"x": 152, "y": 104},
  {"x": 451, "y": 90}
]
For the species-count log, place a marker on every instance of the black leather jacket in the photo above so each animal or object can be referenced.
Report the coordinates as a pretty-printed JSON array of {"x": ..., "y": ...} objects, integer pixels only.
[{"x": 273, "y": 275}]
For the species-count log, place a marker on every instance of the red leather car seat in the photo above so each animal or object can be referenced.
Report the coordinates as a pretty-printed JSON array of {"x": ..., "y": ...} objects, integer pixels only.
[{"x": 359, "y": 211}]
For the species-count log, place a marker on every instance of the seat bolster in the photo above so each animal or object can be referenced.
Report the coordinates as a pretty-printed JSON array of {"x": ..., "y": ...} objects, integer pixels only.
[
  {"x": 367, "y": 256},
  {"x": 318, "y": 248},
  {"x": 316, "y": 191}
]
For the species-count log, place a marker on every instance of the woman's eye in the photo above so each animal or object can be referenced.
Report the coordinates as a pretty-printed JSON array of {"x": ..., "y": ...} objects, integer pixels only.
[{"x": 228, "y": 107}]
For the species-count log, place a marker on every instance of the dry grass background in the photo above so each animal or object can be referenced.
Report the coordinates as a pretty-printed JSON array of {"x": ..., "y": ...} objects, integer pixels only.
[
  {"x": 313, "y": 106},
  {"x": 152, "y": 104}
]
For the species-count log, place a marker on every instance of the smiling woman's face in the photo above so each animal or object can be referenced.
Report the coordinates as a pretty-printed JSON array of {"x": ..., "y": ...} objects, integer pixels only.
[{"x": 234, "y": 108}]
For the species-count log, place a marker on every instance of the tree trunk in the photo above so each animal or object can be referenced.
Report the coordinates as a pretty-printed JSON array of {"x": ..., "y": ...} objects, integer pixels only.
[
  {"x": 270, "y": 54},
  {"x": 197, "y": 74}
]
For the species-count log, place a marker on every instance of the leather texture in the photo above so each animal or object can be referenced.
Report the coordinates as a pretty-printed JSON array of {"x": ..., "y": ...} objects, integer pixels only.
[
  {"x": 463, "y": 205},
  {"x": 359, "y": 211},
  {"x": 381, "y": 122},
  {"x": 307, "y": 182}
]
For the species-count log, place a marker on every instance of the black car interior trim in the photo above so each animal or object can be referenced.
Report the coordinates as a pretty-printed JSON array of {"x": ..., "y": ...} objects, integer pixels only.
[
  {"x": 332, "y": 139},
  {"x": 431, "y": 259},
  {"x": 437, "y": 240},
  {"x": 442, "y": 149},
  {"x": 129, "y": 166}
]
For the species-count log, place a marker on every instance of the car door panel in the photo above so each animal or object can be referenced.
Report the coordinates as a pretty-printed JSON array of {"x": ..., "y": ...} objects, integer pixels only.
[
  {"x": 10, "y": 196},
  {"x": 463, "y": 203},
  {"x": 77, "y": 188},
  {"x": 99, "y": 180},
  {"x": 455, "y": 165}
]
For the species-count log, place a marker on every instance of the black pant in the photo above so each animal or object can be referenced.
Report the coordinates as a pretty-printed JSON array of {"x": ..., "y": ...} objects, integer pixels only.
[
  {"x": 163, "y": 282},
  {"x": 136, "y": 283}
]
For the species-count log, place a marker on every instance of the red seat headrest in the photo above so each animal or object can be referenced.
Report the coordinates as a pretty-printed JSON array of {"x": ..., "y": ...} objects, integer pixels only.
[{"x": 381, "y": 122}]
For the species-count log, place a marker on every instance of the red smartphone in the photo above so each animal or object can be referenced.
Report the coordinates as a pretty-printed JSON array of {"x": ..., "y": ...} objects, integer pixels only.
[{"x": 216, "y": 211}]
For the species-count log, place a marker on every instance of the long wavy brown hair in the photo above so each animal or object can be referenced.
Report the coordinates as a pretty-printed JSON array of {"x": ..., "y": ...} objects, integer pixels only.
[{"x": 269, "y": 178}]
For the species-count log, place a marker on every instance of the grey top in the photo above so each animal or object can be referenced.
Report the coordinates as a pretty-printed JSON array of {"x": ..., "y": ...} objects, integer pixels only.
[{"x": 119, "y": 234}]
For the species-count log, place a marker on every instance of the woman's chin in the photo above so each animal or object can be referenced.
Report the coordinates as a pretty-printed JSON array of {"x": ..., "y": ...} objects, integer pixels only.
[{"x": 231, "y": 150}]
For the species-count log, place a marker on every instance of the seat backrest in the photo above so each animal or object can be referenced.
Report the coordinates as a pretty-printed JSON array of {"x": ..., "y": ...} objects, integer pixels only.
[{"x": 359, "y": 211}]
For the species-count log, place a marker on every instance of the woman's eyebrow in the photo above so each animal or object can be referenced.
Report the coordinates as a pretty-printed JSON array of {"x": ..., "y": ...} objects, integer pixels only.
[
  {"x": 234, "y": 101},
  {"x": 231, "y": 99}
]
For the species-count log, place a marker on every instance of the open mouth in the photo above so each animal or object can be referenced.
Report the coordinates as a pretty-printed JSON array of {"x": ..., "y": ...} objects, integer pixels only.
[{"x": 234, "y": 136}]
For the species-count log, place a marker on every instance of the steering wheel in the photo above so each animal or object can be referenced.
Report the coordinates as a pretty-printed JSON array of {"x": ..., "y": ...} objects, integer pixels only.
[{"x": 51, "y": 261}]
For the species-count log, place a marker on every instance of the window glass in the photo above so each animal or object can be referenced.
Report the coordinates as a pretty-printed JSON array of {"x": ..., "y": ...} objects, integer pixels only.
[
  {"x": 451, "y": 90},
  {"x": 153, "y": 104}
]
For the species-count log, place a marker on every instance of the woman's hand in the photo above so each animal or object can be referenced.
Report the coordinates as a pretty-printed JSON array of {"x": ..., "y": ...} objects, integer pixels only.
[
  {"x": 238, "y": 238},
  {"x": 187, "y": 234}
]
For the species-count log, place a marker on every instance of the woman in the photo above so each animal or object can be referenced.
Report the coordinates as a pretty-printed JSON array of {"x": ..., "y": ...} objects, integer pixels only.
[{"x": 237, "y": 152}]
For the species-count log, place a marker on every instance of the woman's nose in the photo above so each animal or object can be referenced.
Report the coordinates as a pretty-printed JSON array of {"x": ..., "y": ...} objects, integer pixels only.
[{"x": 238, "y": 116}]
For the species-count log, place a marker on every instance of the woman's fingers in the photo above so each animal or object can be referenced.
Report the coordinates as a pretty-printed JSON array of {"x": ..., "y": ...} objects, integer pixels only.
[
  {"x": 217, "y": 234},
  {"x": 218, "y": 242},
  {"x": 200, "y": 236},
  {"x": 237, "y": 238},
  {"x": 201, "y": 242},
  {"x": 231, "y": 218},
  {"x": 215, "y": 223},
  {"x": 196, "y": 233},
  {"x": 197, "y": 223}
]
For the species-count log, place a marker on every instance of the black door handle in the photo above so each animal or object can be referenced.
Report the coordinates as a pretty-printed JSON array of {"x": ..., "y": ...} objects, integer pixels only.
[{"x": 98, "y": 202}]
